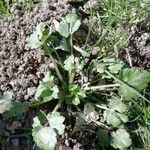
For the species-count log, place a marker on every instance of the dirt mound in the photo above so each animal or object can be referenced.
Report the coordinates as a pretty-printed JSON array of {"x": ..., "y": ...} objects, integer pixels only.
[
  {"x": 21, "y": 68},
  {"x": 138, "y": 51}
]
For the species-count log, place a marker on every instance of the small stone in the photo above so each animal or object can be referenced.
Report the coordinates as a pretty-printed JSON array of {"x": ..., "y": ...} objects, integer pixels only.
[
  {"x": 95, "y": 50},
  {"x": 31, "y": 91}
]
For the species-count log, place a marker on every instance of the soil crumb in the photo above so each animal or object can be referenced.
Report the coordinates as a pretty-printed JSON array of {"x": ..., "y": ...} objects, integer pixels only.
[
  {"x": 138, "y": 51},
  {"x": 20, "y": 67}
]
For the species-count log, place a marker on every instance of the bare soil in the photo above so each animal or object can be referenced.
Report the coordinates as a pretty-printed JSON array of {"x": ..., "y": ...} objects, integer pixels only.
[
  {"x": 137, "y": 52},
  {"x": 20, "y": 67}
]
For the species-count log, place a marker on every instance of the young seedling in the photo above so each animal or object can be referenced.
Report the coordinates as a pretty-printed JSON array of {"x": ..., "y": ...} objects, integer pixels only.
[
  {"x": 71, "y": 92},
  {"x": 74, "y": 84}
]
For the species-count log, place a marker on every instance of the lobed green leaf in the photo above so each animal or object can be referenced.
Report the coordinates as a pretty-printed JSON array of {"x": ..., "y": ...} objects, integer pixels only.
[
  {"x": 45, "y": 136},
  {"x": 120, "y": 139},
  {"x": 135, "y": 78},
  {"x": 6, "y": 101}
]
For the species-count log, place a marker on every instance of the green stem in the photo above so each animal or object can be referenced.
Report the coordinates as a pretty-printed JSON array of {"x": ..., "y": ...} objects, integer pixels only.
[
  {"x": 61, "y": 99},
  {"x": 100, "y": 123},
  {"x": 110, "y": 22},
  {"x": 72, "y": 75},
  {"x": 102, "y": 107},
  {"x": 56, "y": 68},
  {"x": 101, "y": 87},
  {"x": 54, "y": 62},
  {"x": 58, "y": 105},
  {"x": 30, "y": 5},
  {"x": 71, "y": 43},
  {"x": 38, "y": 103},
  {"x": 59, "y": 60}
]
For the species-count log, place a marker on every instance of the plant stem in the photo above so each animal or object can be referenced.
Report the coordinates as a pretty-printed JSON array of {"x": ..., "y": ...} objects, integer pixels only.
[
  {"x": 30, "y": 5},
  {"x": 61, "y": 99},
  {"x": 102, "y": 107},
  {"x": 72, "y": 75},
  {"x": 38, "y": 103},
  {"x": 56, "y": 68},
  {"x": 59, "y": 59},
  {"x": 71, "y": 43},
  {"x": 100, "y": 124},
  {"x": 54, "y": 62},
  {"x": 62, "y": 95},
  {"x": 101, "y": 87},
  {"x": 58, "y": 105}
]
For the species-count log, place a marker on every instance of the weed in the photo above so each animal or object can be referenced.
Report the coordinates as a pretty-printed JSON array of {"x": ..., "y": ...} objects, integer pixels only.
[
  {"x": 119, "y": 111},
  {"x": 3, "y": 9},
  {"x": 48, "y": 126}
]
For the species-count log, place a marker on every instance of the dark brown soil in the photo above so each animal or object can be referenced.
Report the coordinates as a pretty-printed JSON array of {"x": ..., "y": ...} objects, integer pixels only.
[
  {"x": 20, "y": 67},
  {"x": 138, "y": 51}
]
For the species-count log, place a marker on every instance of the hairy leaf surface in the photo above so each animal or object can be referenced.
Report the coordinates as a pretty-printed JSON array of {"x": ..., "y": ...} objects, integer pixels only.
[
  {"x": 45, "y": 136},
  {"x": 114, "y": 115},
  {"x": 6, "y": 101},
  {"x": 120, "y": 139},
  {"x": 135, "y": 78}
]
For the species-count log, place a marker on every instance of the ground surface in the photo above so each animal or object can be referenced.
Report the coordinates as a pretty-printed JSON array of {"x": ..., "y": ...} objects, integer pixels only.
[
  {"x": 22, "y": 68},
  {"x": 138, "y": 51}
]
